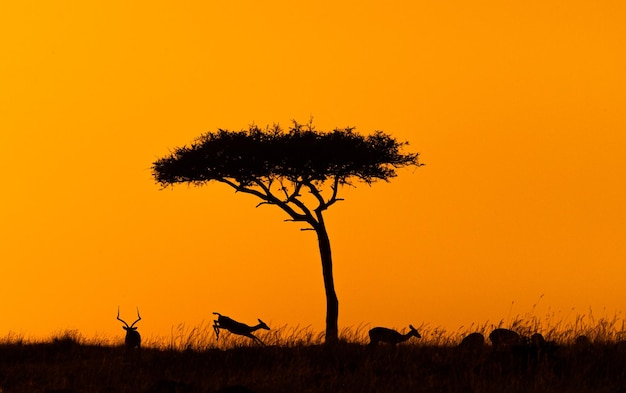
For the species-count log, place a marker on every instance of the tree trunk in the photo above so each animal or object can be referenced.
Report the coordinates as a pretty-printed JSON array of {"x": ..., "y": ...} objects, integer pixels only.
[{"x": 332, "y": 303}]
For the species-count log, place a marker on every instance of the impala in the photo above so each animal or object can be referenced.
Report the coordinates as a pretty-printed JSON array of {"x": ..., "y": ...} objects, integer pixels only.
[
  {"x": 538, "y": 340},
  {"x": 583, "y": 342},
  {"x": 505, "y": 338},
  {"x": 390, "y": 336},
  {"x": 472, "y": 342},
  {"x": 542, "y": 347},
  {"x": 133, "y": 339},
  {"x": 224, "y": 322}
]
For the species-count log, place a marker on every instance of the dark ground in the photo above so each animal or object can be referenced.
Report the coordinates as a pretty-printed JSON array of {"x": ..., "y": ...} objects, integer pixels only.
[{"x": 69, "y": 367}]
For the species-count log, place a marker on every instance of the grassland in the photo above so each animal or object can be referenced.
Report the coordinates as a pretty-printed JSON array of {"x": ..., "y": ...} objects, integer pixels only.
[{"x": 295, "y": 360}]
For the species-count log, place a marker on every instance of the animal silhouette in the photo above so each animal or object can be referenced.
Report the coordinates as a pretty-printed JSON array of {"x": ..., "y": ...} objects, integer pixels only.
[
  {"x": 224, "y": 322},
  {"x": 505, "y": 338},
  {"x": 472, "y": 342},
  {"x": 390, "y": 336},
  {"x": 133, "y": 338}
]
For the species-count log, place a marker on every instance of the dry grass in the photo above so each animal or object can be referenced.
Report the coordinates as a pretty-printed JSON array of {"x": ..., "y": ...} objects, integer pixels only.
[{"x": 295, "y": 360}]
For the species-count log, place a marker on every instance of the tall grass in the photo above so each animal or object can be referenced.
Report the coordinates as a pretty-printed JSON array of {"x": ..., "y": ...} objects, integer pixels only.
[
  {"x": 294, "y": 359},
  {"x": 202, "y": 337}
]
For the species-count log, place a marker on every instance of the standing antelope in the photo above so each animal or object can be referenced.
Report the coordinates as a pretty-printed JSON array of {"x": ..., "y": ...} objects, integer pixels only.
[
  {"x": 505, "y": 338},
  {"x": 133, "y": 339},
  {"x": 224, "y": 322},
  {"x": 390, "y": 336}
]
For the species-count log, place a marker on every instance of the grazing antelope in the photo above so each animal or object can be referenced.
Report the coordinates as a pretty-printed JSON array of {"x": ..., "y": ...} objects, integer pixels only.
[
  {"x": 224, "y": 322},
  {"x": 472, "y": 342},
  {"x": 505, "y": 338},
  {"x": 538, "y": 340},
  {"x": 583, "y": 344},
  {"x": 390, "y": 336},
  {"x": 542, "y": 347},
  {"x": 133, "y": 339}
]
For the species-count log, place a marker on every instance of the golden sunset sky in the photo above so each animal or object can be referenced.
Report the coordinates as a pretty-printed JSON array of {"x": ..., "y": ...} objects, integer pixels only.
[{"x": 518, "y": 110}]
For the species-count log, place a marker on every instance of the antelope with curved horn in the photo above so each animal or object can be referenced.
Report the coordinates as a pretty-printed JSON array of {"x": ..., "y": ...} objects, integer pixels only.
[
  {"x": 133, "y": 338},
  {"x": 224, "y": 322},
  {"x": 390, "y": 336}
]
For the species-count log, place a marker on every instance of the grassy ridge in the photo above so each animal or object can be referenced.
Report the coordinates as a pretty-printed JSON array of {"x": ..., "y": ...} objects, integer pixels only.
[{"x": 296, "y": 361}]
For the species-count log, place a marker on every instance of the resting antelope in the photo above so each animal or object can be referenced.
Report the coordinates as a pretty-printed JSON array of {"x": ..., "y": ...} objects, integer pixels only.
[
  {"x": 224, "y": 322},
  {"x": 505, "y": 338},
  {"x": 390, "y": 336},
  {"x": 542, "y": 347},
  {"x": 473, "y": 342},
  {"x": 133, "y": 339}
]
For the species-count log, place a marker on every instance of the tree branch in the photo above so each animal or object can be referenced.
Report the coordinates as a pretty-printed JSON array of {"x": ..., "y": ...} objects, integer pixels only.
[
  {"x": 270, "y": 198},
  {"x": 325, "y": 204},
  {"x": 296, "y": 190}
]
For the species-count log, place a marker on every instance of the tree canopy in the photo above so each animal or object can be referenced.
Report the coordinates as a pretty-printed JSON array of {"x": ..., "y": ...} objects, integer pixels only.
[{"x": 301, "y": 154}]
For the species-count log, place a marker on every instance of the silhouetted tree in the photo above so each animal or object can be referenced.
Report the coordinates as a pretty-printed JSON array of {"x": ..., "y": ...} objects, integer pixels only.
[{"x": 279, "y": 166}]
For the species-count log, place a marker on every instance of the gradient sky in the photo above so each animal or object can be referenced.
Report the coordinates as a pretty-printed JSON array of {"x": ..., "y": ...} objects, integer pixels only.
[{"x": 517, "y": 109}]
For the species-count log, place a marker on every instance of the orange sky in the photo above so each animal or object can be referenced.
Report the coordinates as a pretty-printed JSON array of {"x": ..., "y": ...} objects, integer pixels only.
[{"x": 516, "y": 109}]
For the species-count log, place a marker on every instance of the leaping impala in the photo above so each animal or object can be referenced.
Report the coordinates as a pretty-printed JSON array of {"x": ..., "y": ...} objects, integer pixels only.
[
  {"x": 390, "y": 336},
  {"x": 224, "y": 322},
  {"x": 133, "y": 339}
]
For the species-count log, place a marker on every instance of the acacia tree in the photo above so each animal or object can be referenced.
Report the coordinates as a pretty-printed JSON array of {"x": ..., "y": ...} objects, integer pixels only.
[{"x": 300, "y": 171}]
